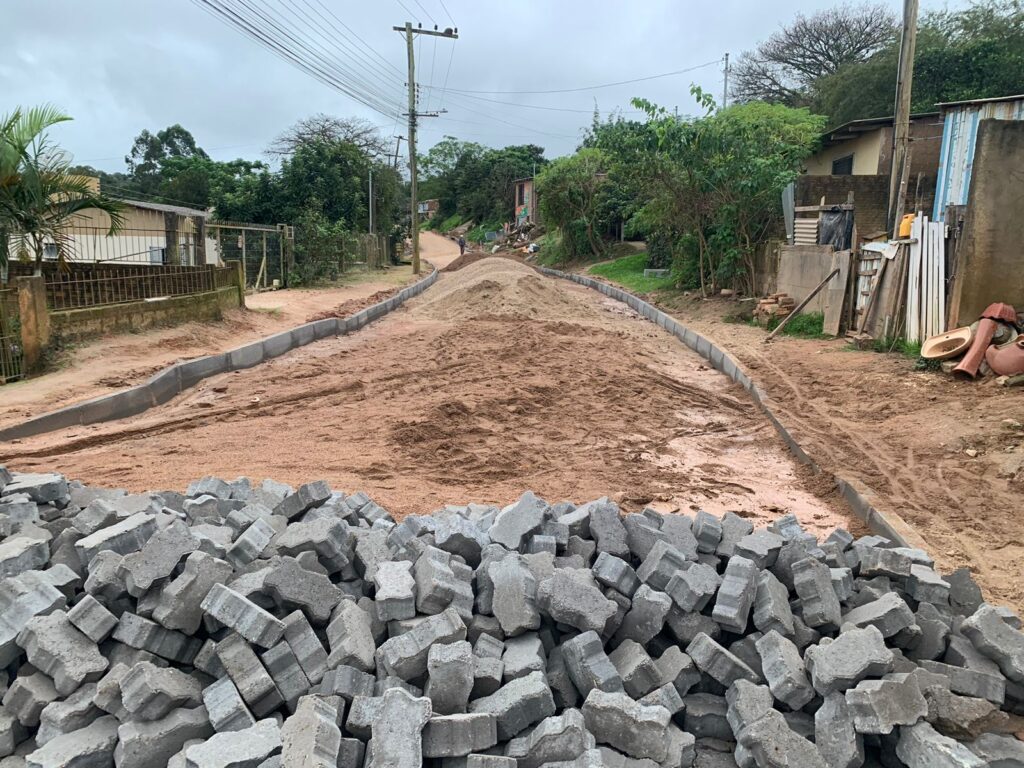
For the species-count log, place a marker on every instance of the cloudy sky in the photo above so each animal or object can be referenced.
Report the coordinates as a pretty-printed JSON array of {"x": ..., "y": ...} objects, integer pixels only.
[{"x": 118, "y": 66}]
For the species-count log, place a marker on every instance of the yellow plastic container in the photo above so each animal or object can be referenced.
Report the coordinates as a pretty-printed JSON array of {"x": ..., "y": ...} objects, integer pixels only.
[{"x": 905, "y": 223}]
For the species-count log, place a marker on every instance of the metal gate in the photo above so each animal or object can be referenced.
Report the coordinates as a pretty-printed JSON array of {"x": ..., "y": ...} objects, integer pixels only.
[
  {"x": 263, "y": 250},
  {"x": 10, "y": 336}
]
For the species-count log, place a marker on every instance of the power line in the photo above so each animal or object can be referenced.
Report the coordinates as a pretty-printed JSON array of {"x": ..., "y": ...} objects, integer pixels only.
[
  {"x": 594, "y": 87},
  {"x": 432, "y": 19},
  {"x": 448, "y": 13}
]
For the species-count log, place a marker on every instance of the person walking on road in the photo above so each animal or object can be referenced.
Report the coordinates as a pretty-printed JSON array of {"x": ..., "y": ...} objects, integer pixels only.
[{"x": 462, "y": 245}]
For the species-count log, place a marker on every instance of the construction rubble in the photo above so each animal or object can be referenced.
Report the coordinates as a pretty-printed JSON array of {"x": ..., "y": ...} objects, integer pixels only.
[{"x": 241, "y": 625}]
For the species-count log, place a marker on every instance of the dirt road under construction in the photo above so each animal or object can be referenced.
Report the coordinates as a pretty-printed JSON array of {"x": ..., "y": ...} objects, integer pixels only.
[{"x": 494, "y": 381}]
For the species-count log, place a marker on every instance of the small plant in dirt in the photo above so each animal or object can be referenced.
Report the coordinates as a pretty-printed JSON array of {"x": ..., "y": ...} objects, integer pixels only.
[
  {"x": 629, "y": 273},
  {"x": 806, "y": 326}
]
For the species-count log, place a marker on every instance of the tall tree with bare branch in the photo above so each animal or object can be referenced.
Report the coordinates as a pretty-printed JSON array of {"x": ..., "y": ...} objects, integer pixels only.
[
  {"x": 329, "y": 129},
  {"x": 784, "y": 68}
]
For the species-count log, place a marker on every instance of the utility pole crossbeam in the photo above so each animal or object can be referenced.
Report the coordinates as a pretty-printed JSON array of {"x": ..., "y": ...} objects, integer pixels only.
[
  {"x": 900, "y": 170},
  {"x": 414, "y": 224}
]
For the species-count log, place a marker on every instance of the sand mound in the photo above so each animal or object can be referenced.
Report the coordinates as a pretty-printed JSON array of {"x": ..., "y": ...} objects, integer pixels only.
[{"x": 495, "y": 287}]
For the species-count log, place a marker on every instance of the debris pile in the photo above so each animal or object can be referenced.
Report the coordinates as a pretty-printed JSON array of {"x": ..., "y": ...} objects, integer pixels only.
[
  {"x": 260, "y": 625},
  {"x": 994, "y": 345},
  {"x": 775, "y": 306}
]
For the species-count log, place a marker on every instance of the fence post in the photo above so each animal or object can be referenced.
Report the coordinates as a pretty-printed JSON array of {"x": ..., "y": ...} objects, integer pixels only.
[
  {"x": 239, "y": 281},
  {"x": 35, "y": 320}
]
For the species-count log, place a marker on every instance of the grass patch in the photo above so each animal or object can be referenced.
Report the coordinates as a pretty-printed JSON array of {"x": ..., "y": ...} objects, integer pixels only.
[
  {"x": 448, "y": 224},
  {"x": 805, "y": 326},
  {"x": 628, "y": 272}
]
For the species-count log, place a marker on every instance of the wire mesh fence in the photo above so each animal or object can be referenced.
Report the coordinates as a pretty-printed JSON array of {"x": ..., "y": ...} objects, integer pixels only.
[
  {"x": 10, "y": 337},
  {"x": 264, "y": 251}
]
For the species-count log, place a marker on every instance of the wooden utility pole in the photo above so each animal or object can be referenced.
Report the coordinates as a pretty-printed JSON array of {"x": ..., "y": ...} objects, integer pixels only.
[
  {"x": 371, "y": 200},
  {"x": 725, "y": 83},
  {"x": 414, "y": 224},
  {"x": 900, "y": 169}
]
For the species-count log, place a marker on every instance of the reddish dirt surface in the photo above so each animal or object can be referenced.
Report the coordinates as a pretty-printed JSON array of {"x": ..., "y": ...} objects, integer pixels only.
[
  {"x": 104, "y": 365},
  {"x": 494, "y": 381},
  {"x": 904, "y": 434}
]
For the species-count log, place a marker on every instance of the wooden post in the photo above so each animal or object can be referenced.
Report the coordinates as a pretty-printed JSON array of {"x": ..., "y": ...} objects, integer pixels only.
[
  {"x": 172, "y": 255},
  {"x": 901, "y": 122},
  {"x": 263, "y": 264},
  {"x": 245, "y": 276},
  {"x": 199, "y": 227},
  {"x": 801, "y": 305}
]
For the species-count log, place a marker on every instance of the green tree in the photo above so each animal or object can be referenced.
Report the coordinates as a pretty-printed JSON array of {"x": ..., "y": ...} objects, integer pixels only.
[
  {"x": 39, "y": 192},
  {"x": 569, "y": 193},
  {"x": 150, "y": 151}
]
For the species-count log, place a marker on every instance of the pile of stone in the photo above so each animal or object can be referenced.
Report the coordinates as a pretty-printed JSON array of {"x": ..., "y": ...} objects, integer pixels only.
[{"x": 242, "y": 625}]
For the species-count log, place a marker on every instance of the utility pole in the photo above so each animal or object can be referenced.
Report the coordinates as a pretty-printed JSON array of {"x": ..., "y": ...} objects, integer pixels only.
[
  {"x": 371, "y": 200},
  {"x": 413, "y": 115},
  {"x": 900, "y": 169},
  {"x": 398, "y": 146},
  {"x": 725, "y": 83}
]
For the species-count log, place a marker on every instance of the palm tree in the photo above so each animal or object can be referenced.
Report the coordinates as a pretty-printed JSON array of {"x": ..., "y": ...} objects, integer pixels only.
[{"x": 39, "y": 195}]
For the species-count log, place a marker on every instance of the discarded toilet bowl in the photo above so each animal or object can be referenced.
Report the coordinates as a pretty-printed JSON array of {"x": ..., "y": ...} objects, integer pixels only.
[
  {"x": 947, "y": 345},
  {"x": 1006, "y": 359}
]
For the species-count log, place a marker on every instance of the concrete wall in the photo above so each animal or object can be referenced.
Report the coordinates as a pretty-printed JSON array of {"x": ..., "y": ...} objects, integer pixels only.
[
  {"x": 990, "y": 264},
  {"x": 801, "y": 269},
  {"x": 137, "y": 316}
]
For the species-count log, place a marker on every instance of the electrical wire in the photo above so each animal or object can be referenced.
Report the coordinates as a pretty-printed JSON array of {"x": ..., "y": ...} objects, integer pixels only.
[
  {"x": 448, "y": 13},
  {"x": 432, "y": 19}
]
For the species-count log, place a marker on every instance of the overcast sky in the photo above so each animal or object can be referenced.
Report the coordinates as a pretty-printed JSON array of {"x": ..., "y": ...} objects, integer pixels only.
[{"x": 119, "y": 66}]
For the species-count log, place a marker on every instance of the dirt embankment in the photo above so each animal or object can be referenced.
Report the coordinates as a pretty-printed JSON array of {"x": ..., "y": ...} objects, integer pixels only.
[
  {"x": 496, "y": 380},
  {"x": 907, "y": 435}
]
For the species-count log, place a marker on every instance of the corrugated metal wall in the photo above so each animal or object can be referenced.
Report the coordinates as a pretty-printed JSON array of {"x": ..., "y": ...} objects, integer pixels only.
[{"x": 956, "y": 157}]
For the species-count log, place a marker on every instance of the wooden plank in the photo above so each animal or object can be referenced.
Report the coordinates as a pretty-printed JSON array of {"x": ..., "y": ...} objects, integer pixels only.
[
  {"x": 835, "y": 293},
  {"x": 913, "y": 284}
]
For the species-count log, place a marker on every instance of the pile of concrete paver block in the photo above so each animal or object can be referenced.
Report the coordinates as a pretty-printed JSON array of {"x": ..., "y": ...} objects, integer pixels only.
[{"x": 249, "y": 626}]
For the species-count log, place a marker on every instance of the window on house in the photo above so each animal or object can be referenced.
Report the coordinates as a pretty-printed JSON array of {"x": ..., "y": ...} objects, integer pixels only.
[
  {"x": 520, "y": 194},
  {"x": 49, "y": 251},
  {"x": 843, "y": 166}
]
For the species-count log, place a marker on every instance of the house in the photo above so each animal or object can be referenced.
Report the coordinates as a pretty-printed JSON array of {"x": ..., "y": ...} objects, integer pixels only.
[
  {"x": 427, "y": 209},
  {"x": 864, "y": 147},
  {"x": 525, "y": 202},
  {"x": 959, "y": 141}
]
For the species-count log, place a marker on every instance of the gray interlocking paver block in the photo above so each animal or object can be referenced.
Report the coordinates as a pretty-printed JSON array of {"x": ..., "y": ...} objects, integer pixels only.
[
  {"x": 488, "y": 646},
  {"x": 460, "y": 536},
  {"x": 329, "y": 538},
  {"x": 964, "y": 593},
  {"x": 693, "y": 588},
  {"x": 517, "y": 704},
  {"x": 514, "y": 593},
  {"x": 27, "y": 695},
  {"x": 180, "y": 602},
  {"x": 878, "y": 706},
  {"x": 225, "y": 707},
  {"x": 397, "y": 740},
  {"x": 920, "y": 746},
  {"x": 347, "y": 682},
  {"x": 395, "y": 596},
  {"x": 889, "y": 613},
  {"x": 555, "y": 739},
  {"x": 707, "y": 530},
  {"x": 855, "y": 655},
  {"x": 616, "y": 573},
  {"x": 572, "y": 601},
  {"x": 997, "y": 640},
  {"x": 149, "y": 692},
  {"x": 812, "y": 581},
  {"x": 772, "y": 611},
  {"x": 784, "y": 670},
  {"x": 562, "y": 687},
  {"x": 306, "y": 646},
  {"x": 242, "y": 615},
  {"x": 877, "y": 561},
  {"x": 92, "y": 619},
  {"x": 685, "y": 626},
  {"x": 286, "y": 672},
  {"x": 747, "y": 702},
  {"x": 736, "y": 595},
  {"x": 718, "y": 663},
  {"x": 450, "y": 677},
  {"x": 516, "y": 523},
  {"x": 607, "y": 530},
  {"x": 773, "y": 744},
  {"x": 664, "y": 696},
  {"x": 961, "y": 652},
  {"x": 926, "y": 586},
  {"x": 760, "y": 547},
  {"x": 125, "y": 537},
  {"x": 92, "y": 745},
  {"x": 642, "y": 534},
  {"x": 999, "y": 751},
  {"x": 522, "y": 655},
  {"x": 970, "y": 682},
  {"x": 249, "y": 675},
  {"x": 646, "y": 617},
  {"x": 55, "y": 646},
  {"x": 251, "y": 543},
  {"x": 21, "y": 553},
  {"x": 144, "y": 744},
  {"x": 66, "y": 715},
  {"x": 21, "y": 598},
  {"x": 437, "y": 586},
  {"x": 157, "y": 558},
  {"x": 305, "y": 498},
  {"x": 662, "y": 563},
  {"x": 350, "y": 634},
  {"x": 589, "y": 665},
  {"x": 636, "y": 668},
  {"x": 677, "y": 668},
  {"x": 405, "y": 656},
  {"x": 293, "y": 587},
  {"x": 311, "y": 738},
  {"x": 457, "y": 735},
  {"x": 835, "y": 736},
  {"x": 541, "y": 543},
  {"x": 626, "y": 725},
  {"x": 231, "y": 749}
]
